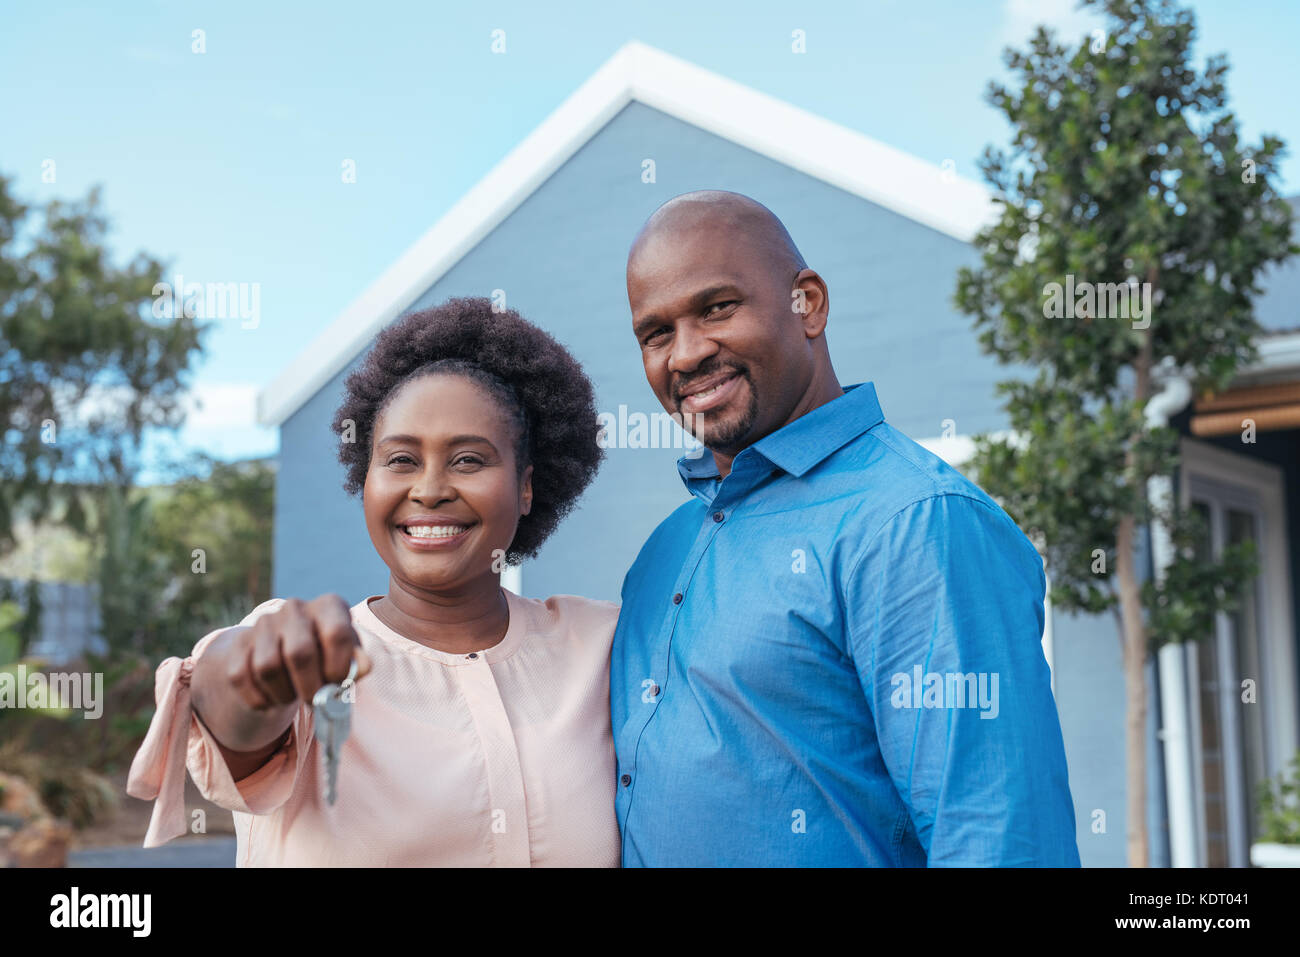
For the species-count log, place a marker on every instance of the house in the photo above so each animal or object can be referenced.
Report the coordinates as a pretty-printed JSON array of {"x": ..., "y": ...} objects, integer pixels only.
[{"x": 549, "y": 229}]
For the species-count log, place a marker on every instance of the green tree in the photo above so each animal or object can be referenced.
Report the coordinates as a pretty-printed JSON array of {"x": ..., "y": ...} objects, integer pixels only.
[
  {"x": 183, "y": 559},
  {"x": 85, "y": 366},
  {"x": 216, "y": 533},
  {"x": 1125, "y": 167}
]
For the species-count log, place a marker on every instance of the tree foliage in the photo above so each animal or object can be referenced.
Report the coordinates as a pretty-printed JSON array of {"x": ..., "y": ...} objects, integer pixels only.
[
  {"x": 1133, "y": 228},
  {"x": 85, "y": 367},
  {"x": 183, "y": 559},
  {"x": 1125, "y": 167}
]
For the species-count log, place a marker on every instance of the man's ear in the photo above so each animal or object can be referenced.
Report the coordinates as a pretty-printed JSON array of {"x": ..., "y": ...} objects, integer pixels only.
[
  {"x": 810, "y": 300},
  {"x": 526, "y": 492}
]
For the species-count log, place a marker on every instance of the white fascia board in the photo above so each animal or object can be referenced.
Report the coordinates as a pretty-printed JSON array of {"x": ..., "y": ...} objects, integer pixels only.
[
  {"x": 801, "y": 140},
  {"x": 957, "y": 450},
  {"x": 473, "y": 216},
  {"x": 811, "y": 144},
  {"x": 1279, "y": 361},
  {"x": 1277, "y": 353}
]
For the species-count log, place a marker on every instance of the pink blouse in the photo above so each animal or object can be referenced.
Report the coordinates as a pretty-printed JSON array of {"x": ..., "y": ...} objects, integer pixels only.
[{"x": 502, "y": 758}]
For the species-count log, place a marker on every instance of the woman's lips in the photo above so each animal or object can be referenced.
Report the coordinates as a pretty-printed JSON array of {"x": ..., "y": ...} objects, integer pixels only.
[
  {"x": 720, "y": 396},
  {"x": 433, "y": 543}
]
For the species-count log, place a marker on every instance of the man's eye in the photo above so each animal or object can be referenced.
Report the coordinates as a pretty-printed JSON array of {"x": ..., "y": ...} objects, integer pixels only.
[
  {"x": 718, "y": 307},
  {"x": 657, "y": 334}
]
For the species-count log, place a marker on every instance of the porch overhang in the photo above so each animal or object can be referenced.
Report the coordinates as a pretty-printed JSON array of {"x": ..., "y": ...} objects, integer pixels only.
[{"x": 1265, "y": 394}]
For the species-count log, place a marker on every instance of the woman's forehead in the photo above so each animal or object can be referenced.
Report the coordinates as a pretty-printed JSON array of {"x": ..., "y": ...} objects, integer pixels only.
[{"x": 442, "y": 402}]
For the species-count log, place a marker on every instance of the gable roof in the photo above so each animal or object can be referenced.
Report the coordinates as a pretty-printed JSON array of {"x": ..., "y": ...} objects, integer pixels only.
[{"x": 810, "y": 144}]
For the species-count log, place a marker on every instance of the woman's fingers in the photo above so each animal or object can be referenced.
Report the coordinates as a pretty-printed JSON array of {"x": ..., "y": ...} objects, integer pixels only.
[
  {"x": 303, "y": 657},
  {"x": 332, "y": 621},
  {"x": 239, "y": 672},
  {"x": 267, "y": 665},
  {"x": 288, "y": 655}
]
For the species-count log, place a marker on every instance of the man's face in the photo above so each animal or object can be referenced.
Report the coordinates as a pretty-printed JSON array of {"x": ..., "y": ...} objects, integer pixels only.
[{"x": 721, "y": 346}]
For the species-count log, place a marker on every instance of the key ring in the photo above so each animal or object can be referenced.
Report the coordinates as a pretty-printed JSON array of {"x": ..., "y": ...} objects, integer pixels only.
[{"x": 326, "y": 690}]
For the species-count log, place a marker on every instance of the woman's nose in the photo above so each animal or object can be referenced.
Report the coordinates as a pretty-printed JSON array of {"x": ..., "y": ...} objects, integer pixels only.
[{"x": 431, "y": 487}]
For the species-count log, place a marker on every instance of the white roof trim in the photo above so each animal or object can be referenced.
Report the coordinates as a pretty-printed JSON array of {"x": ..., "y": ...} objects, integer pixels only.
[
  {"x": 957, "y": 450},
  {"x": 1279, "y": 360},
  {"x": 811, "y": 144}
]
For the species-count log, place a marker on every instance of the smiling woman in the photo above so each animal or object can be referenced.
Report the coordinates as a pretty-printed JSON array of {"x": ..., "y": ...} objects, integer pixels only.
[{"x": 479, "y": 727}]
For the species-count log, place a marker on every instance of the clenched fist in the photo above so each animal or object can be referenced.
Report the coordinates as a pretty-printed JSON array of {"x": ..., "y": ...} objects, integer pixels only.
[{"x": 287, "y": 655}]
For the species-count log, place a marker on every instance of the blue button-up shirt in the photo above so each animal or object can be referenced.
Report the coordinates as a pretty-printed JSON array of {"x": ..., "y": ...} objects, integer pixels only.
[{"x": 832, "y": 657}]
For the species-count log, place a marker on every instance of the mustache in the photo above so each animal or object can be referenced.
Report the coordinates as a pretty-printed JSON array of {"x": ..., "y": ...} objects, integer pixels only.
[{"x": 705, "y": 373}]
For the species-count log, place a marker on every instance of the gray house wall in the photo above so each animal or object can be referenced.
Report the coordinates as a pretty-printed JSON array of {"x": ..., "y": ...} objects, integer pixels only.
[{"x": 560, "y": 260}]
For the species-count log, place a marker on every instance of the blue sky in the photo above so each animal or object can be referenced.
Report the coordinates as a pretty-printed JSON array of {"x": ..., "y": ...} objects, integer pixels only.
[{"x": 226, "y": 165}]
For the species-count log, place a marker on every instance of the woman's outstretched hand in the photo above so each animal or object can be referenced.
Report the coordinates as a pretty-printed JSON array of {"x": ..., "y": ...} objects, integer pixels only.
[
  {"x": 288, "y": 655},
  {"x": 247, "y": 684}
]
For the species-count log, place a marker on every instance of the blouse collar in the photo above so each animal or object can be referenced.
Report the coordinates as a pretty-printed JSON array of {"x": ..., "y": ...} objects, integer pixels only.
[{"x": 515, "y": 632}]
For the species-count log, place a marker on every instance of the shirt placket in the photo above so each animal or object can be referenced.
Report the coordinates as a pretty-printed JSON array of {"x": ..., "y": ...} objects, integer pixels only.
[
  {"x": 709, "y": 529},
  {"x": 508, "y": 821}
]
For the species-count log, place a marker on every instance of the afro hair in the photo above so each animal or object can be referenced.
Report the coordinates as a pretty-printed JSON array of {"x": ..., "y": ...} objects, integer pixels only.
[{"x": 521, "y": 365}]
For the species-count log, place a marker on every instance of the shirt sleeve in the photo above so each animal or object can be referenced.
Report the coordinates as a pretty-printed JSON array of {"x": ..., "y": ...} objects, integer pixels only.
[
  {"x": 177, "y": 740},
  {"x": 946, "y": 615}
]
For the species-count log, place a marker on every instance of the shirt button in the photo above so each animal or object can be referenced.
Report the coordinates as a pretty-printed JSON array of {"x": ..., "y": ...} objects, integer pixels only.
[
  {"x": 718, "y": 516},
  {"x": 626, "y": 779},
  {"x": 677, "y": 599},
  {"x": 472, "y": 654}
]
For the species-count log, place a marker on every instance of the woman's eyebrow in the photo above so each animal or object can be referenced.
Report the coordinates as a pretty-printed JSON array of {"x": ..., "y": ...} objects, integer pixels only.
[
  {"x": 462, "y": 439},
  {"x": 453, "y": 440}
]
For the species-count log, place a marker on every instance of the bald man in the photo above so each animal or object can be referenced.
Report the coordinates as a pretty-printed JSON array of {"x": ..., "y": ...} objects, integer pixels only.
[{"x": 830, "y": 655}]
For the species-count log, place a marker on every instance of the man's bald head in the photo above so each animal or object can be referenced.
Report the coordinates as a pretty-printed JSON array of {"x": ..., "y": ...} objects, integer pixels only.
[{"x": 731, "y": 215}]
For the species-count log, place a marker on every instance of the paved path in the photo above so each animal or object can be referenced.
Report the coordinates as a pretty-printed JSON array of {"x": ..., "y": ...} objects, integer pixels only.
[{"x": 209, "y": 852}]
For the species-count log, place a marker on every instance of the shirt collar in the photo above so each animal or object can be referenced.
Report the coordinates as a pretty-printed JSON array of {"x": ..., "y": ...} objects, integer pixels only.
[{"x": 806, "y": 441}]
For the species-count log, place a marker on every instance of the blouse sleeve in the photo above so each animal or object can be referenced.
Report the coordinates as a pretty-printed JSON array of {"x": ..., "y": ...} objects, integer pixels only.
[{"x": 178, "y": 740}]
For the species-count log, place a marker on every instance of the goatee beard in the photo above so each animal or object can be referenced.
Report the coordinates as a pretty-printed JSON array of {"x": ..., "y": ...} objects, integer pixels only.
[{"x": 725, "y": 437}]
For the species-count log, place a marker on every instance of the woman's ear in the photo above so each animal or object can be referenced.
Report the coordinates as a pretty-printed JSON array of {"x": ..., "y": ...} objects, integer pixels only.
[{"x": 526, "y": 492}]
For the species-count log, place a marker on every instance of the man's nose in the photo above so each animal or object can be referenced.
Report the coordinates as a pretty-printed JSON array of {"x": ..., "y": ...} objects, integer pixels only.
[{"x": 690, "y": 348}]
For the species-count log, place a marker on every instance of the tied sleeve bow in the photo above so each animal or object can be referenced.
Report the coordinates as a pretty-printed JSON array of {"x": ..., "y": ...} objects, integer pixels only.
[{"x": 158, "y": 769}]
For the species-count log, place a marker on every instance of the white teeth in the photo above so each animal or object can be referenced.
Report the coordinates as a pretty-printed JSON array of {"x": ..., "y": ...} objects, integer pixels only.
[
  {"x": 712, "y": 389},
  {"x": 434, "y": 531}
]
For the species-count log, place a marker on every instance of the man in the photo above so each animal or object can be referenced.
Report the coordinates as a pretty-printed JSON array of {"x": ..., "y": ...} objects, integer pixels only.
[{"x": 831, "y": 655}]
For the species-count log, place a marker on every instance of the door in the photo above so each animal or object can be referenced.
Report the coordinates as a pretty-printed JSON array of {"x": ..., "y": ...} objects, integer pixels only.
[{"x": 1241, "y": 675}]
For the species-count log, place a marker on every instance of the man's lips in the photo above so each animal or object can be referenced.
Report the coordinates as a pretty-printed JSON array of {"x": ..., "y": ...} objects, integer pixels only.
[{"x": 710, "y": 393}]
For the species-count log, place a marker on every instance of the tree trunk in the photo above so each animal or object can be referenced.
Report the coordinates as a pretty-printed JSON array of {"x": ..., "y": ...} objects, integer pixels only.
[
  {"x": 1135, "y": 693},
  {"x": 1134, "y": 634}
]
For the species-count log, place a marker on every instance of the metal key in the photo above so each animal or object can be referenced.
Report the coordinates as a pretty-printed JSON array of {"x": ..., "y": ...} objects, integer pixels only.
[{"x": 332, "y": 706}]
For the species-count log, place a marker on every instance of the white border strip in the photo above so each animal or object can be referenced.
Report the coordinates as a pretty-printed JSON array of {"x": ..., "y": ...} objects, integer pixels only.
[
  {"x": 846, "y": 159},
  {"x": 842, "y": 157},
  {"x": 475, "y": 215}
]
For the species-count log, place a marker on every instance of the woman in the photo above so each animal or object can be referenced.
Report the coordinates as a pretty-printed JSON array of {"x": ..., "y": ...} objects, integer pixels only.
[{"x": 480, "y": 729}]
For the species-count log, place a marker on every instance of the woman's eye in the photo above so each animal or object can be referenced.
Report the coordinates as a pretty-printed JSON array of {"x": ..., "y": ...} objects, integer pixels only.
[
  {"x": 468, "y": 459},
  {"x": 401, "y": 459}
]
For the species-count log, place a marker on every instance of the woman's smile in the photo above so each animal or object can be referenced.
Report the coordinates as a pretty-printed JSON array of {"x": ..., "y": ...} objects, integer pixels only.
[{"x": 425, "y": 534}]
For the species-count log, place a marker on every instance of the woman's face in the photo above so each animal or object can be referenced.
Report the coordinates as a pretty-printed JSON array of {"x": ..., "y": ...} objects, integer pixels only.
[{"x": 443, "y": 491}]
